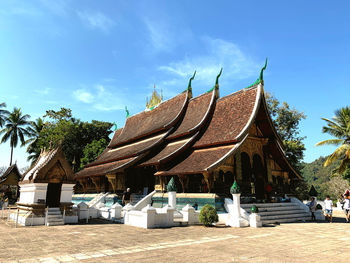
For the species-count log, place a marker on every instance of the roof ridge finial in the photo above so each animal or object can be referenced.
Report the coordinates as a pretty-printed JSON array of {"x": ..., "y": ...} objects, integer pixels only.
[
  {"x": 189, "y": 87},
  {"x": 261, "y": 77},
  {"x": 127, "y": 112},
  {"x": 161, "y": 95},
  {"x": 217, "y": 79}
]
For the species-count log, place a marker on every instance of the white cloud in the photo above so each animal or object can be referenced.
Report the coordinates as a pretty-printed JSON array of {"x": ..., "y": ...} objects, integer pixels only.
[
  {"x": 83, "y": 96},
  {"x": 160, "y": 36},
  {"x": 96, "y": 20},
  {"x": 57, "y": 7},
  {"x": 43, "y": 91},
  {"x": 219, "y": 53},
  {"x": 101, "y": 98}
]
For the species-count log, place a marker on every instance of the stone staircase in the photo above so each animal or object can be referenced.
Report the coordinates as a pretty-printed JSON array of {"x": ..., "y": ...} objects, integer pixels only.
[
  {"x": 279, "y": 212},
  {"x": 54, "y": 217}
]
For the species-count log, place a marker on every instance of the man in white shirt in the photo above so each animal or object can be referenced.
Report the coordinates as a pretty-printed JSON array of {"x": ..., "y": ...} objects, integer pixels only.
[
  {"x": 346, "y": 207},
  {"x": 328, "y": 208}
]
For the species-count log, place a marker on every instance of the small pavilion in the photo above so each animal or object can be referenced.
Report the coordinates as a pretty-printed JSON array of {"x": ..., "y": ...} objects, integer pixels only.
[
  {"x": 9, "y": 181},
  {"x": 48, "y": 183}
]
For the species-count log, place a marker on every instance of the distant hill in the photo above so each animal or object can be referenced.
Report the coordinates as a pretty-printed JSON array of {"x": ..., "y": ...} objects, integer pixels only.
[{"x": 316, "y": 174}]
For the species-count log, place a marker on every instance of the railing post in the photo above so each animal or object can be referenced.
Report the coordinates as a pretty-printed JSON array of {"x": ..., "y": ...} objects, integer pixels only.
[
  {"x": 8, "y": 214},
  {"x": 17, "y": 217},
  {"x": 31, "y": 224},
  {"x": 64, "y": 214},
  {"x": 46, "y": 215},
  {"x": 2, "y": 212},
  {"x": 87, "y": 216}
]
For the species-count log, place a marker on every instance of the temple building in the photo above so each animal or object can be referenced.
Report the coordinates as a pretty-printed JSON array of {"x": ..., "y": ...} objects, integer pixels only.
[
  {"x": 46, "y": 191},
  {"x": 9, "y": 182},
  {"x": 205, "y": 143}
]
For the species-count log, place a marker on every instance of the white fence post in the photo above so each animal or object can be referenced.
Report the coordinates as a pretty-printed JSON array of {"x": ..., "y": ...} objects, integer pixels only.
[
  {"x": 46, "y": 215},
  {"x": 17, "y": 217},
  {"x": 64, "y": 213}
]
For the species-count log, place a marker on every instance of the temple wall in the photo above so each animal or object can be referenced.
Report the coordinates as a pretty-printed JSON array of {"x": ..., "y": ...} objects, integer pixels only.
[
  {"x": 66, "y": 193},
  {"x": 31, "y": 193}
]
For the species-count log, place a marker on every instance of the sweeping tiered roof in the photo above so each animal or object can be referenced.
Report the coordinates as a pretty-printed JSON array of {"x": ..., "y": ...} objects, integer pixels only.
[
  {"x": 229, "y": 126},
  {"x": 187, "y": 135},
  {"x": 142, "y": 132}
]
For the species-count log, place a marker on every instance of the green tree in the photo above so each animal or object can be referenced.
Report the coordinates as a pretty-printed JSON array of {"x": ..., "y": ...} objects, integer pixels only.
[
  {"x": 3, "y": 114},
  {"x": 16, "y": 128},
  {"x": 71, "y": 133},
  {"x": 287, "y": 122},
  {"x": 338, "y": 127},
  {"x": 92, "y": 151},
  {"x": 34, "y": 133}
]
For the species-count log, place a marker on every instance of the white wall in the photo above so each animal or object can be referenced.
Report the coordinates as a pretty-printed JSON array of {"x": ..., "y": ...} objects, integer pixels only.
[{"x": 30, "y": 193}]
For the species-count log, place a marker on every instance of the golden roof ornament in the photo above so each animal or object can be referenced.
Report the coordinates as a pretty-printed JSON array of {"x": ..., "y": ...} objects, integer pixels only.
[{"x": 155, "y": 100}]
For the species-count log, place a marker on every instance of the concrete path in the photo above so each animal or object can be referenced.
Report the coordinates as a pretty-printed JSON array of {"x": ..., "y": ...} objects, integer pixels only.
[{"x": 299, "y": 242}]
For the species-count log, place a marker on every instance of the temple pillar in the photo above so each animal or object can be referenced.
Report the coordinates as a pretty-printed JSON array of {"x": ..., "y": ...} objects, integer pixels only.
[
  {"x": 97, "y": 180},
  {"x": 112, "y": 179},
  {"x": 84, "y": 183},
  {"x": 208, "y": 180},
  {"x": 182, "y": 182},
  {"x": 268, "y": 170},
  {"x": 238, "y": 166}
]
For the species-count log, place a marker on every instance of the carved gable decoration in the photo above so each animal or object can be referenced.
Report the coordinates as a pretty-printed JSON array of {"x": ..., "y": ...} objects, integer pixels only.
[
  {"x": 56, "y": 173},
  {"x": 51, "y": 167}
]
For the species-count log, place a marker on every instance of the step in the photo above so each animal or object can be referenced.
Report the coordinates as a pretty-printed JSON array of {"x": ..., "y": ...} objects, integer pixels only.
[
  {"x": 54, "y": 216},
  {"x": 54, "y": 213},
  {"x": 281, "y": 208},
  {"x": 55, "y": 223},
  {"x": 282, "y": 212},
  {"x": 286, "y": 220},
  {"x": 269, "y": 205},
  {"x": 278, "y": 217}
]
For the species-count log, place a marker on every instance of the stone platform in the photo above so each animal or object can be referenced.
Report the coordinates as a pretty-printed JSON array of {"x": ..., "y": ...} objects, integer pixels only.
[{"x": 99, "y": 242}]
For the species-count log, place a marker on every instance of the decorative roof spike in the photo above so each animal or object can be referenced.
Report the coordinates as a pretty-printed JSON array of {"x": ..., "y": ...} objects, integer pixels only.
[
  {"x": 171, "y": 187},
  {"x": 217, "y": 79},
  {"x": 235, "y": 188},
  {"x": 189, "y": 88},
  {"x": 161, "y": 94},
  {"x": 262, "y": 72},
  {"x": 127, "y": 112},
  {"x": 114, "y": 126},
  {"x": 261, "y": 77}
]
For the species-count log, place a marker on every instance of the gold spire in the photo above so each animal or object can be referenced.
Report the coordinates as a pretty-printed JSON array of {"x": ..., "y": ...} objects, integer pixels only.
[{"x": 155, "y": 100}]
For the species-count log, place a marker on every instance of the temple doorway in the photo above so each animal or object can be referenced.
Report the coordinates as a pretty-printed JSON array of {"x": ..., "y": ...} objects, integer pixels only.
[{"x": 53, "y": 194}]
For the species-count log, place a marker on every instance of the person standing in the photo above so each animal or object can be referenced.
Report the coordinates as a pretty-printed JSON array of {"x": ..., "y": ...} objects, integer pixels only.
[
  {"x": 127, "y": 197},
  {"x": 346, "y": 207},
  {"x": 328, "y": 208},
  {"x": 312, "y": 206}
]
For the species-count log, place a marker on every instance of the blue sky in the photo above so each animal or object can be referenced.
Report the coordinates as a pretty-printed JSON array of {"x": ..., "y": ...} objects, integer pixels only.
[{"x": 96, "y": 57}]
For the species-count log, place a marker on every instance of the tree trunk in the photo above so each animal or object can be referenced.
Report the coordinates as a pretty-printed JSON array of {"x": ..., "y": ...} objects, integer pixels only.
[{"x": 11, "y": 155}]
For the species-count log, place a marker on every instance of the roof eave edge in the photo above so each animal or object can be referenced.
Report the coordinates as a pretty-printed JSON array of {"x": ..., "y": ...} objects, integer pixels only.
[{"x": 230, "y": 152}]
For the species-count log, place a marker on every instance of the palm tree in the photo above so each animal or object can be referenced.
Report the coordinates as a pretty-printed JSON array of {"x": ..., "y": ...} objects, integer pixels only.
[
  {"x": 15, "y": 128},
  {"x": 34, "y": 130},
  {"x": 339, "y": 127},
  {"x": 3, "y": 114}
]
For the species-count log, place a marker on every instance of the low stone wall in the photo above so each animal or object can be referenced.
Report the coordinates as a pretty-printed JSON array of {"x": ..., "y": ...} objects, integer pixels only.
[{"x": 160, "y": 200}]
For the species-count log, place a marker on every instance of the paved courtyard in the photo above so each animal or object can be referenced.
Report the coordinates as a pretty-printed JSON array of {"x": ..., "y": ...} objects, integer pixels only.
[{"x": 99, "y": 242}]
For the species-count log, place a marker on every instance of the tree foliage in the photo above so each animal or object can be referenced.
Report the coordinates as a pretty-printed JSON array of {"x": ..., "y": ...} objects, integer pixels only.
[
  {"x": 3, "y": 113},
  {"x": 287, "y": 123},
  {"x": 92, "y": 151},
  {"x": 71, "y": 134},
  {"x": 16, "y": 129},
  {"x": 34, "y": 133},
  {"x": 338, "y": 127}
]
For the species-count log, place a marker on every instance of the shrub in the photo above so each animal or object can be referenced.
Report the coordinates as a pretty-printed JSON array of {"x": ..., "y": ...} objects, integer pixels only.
[{"x": 208, "y": 215}]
